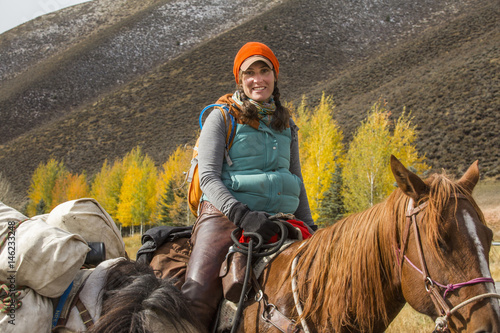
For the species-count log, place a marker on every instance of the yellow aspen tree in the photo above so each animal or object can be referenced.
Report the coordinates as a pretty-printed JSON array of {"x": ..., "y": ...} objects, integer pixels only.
[
  {"x": 403, "y": 145},
  {"x": 148, "y": 190},
  {"x": 106, "y": 186},
  {"x": 138, "y": 192},
  {"x": 366, "y": 162},
  {"x": 126, "y": 199},
  {"x": 98, "y": 189},
  {"x": 42, "y": 185},
  {"x": 321, "y": 149},
  {"x": 367, "y": 178},
  {"x": 70, "y": 187},
  {"x": 78, "y": 187}
]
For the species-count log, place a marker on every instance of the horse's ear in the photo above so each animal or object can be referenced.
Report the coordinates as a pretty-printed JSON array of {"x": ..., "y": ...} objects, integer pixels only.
[
  {"x": 408, "y": 182},
  {"x": 470, "y": 177}
]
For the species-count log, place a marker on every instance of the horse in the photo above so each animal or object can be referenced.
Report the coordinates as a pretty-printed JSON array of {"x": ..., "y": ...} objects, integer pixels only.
[
  {"x": 121, "y": 295},
  {"x": 134, "y": 299},
  {"x": 426, "y": 245}
]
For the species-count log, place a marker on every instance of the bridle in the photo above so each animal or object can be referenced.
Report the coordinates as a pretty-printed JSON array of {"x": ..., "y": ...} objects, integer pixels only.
[{"x": 430, "y": 285}]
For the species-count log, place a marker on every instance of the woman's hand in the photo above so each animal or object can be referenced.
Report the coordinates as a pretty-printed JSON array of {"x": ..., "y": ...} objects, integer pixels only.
[{"x": 253, "y": 221}]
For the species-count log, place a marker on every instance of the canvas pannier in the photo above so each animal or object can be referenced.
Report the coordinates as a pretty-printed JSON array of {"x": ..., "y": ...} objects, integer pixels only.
[
  {"x": 38, "y": 255},
  {"x": 87, "y": 218}
]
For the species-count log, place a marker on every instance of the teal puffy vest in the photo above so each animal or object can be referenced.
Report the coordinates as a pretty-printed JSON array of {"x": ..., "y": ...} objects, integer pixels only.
[{"x": 259, "y": 175}]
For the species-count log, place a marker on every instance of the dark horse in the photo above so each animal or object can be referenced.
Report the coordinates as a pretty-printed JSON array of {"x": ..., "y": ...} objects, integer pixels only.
[
  {"x": 131, "y": 299},
  {"x": 135, "y": 300}
]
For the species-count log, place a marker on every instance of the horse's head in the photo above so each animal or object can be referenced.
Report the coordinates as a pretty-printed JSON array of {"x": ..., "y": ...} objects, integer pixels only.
[{"x": 443, "y": 253}]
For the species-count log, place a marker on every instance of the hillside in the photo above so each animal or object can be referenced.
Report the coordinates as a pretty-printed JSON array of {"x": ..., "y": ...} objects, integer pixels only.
[{"x": 138, "y": 73}]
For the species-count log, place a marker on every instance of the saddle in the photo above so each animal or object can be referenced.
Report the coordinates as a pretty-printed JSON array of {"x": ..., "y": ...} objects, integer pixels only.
[{"x": 167, "y": 250}]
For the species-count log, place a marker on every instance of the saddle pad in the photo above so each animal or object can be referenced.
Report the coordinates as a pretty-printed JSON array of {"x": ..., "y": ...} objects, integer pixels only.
[{"x": 90, "y": 295}]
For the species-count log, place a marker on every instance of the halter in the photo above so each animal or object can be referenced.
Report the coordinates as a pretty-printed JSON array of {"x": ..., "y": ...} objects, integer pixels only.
[{"x": 430, "y": 284}]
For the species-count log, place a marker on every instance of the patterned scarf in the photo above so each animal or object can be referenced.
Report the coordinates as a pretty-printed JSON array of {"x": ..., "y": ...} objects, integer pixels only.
[{"x": 266, "y": 109}]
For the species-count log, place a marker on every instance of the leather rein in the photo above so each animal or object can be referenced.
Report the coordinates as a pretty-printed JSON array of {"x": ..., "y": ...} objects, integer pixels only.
[{"x": 431, "y": 285}]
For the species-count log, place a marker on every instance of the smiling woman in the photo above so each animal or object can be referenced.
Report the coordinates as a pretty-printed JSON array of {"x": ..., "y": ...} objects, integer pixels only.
[{"x": 259, "y": 176}]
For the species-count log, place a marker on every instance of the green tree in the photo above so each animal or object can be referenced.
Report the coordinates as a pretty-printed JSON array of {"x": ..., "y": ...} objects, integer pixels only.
[
  {"x": 366, "y": 175},
  {"x": 172, "y": 184},
  {"x": 166, "y": 202},
  {"x": 42, "y": 185},
  {"x": 40, "y": 208},
  {"x": 331, "y": 207},
  {"x": 321, "y": 149}
]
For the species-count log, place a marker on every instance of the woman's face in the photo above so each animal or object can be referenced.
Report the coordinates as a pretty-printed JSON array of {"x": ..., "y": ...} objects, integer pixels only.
[{"x": 258, "y": 81}]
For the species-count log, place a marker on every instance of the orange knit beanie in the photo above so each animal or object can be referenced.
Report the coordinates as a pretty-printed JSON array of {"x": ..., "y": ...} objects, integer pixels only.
[{"x": 257, "y": 51}]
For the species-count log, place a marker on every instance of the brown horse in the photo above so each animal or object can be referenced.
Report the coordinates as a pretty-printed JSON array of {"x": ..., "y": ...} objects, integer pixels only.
[{"x": 427, "y": 244}]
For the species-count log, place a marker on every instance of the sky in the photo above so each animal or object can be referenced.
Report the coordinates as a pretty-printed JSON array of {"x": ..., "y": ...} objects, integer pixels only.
[{"x": 16, "y": 12}]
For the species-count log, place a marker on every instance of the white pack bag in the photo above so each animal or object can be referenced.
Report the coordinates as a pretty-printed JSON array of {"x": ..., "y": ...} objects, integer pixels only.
[
  {"x": 87, "y": 218},
  {"x": 40, "y": 256},
  {"x": 34, "y": 315}
]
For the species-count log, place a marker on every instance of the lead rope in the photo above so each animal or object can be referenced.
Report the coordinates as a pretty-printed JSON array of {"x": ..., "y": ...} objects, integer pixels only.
[
  {"x": 251, "y": 252},
  {"x": 442, "y": 322}
]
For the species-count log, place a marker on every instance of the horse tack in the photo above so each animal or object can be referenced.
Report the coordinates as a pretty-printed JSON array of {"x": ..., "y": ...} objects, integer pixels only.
[
  {"x": 279, "y": 320},
  {"x": 272, "y": 315},
  {"x": 438, "y": 300},
  {"x": 73, "y": 300}
]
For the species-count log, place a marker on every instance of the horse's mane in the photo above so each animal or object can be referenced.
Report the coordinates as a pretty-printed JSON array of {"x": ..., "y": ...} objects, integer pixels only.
[
  {"x": 352, "y": 265},
  {"x": 134, "y": 300}
]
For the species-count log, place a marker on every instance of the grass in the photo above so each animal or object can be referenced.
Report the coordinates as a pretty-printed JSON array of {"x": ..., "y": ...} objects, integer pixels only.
[
  {"x": 410, "y": 321},
  {"x": 487, "y": 195},
  {"x": 132, "y": 245}
]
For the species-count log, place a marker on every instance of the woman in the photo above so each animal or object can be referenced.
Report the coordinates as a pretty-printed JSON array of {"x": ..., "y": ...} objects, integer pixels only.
[{"x": 261, "y": 178}]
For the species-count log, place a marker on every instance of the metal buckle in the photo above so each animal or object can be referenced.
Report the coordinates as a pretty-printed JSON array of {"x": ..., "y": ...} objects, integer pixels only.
[
  {"x": 259, "y": 296},
  {"x": 429, "y": 284},
  {"x": 266, "y": 310}
]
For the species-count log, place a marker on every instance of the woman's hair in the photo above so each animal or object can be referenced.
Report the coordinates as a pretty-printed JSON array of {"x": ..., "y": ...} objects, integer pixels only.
[
  {"x": 281, "y": 117},
  {"x": 134, "y": 300}
]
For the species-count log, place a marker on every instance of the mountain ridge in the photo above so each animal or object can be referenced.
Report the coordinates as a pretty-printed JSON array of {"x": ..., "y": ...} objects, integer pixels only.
[{"x": 323, "y": 46}]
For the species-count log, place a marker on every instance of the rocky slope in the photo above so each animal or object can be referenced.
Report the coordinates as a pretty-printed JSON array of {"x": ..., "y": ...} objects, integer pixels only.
[{"x": 139, "y": 72}]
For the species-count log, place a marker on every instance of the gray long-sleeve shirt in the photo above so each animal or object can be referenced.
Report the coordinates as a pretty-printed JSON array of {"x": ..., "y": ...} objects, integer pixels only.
[{"x": 211, "y": 158}]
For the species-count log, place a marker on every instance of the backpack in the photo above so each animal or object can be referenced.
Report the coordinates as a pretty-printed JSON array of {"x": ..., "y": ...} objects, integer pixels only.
[{"x": 194, "y": 190}]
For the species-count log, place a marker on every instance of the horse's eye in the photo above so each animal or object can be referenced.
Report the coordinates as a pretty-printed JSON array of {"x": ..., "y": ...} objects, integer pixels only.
[{"x": 442, "y": 246}]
